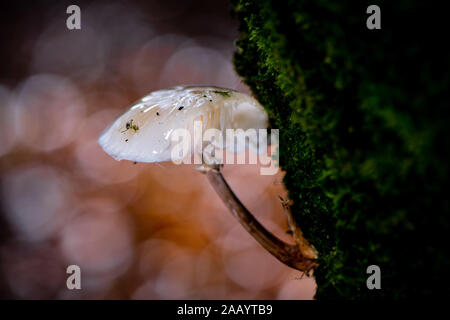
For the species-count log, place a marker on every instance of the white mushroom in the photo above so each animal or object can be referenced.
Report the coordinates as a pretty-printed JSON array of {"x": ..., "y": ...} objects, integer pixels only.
[{"x": 142, "y": 134}]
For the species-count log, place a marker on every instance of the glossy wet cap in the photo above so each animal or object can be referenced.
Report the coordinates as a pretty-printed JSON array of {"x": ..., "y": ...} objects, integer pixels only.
[{"x": 143, "y": 132}]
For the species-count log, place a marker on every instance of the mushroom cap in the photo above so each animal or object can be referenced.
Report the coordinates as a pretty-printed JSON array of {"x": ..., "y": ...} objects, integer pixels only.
[{"x": 142, "y": 133}]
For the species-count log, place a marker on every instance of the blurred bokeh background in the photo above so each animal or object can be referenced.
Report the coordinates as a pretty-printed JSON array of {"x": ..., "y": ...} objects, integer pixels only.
[{"x": 144, "y": 231}]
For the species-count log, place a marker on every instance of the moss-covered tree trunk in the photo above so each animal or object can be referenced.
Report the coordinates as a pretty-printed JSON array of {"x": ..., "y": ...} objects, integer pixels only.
[{"x": 364, "y": 135}]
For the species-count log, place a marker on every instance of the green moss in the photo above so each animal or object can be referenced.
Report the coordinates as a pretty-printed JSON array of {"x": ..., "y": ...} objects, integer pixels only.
[
  {"x": 364, "y": 136},
  {"x": 130, "y": 125},
  {"x": 222, "y": 93}
]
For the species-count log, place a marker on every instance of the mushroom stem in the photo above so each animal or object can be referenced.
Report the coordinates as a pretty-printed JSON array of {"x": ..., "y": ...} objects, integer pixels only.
[
  {"x": 305, "y": 247},
  {"x": 290, "y": 255}
]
